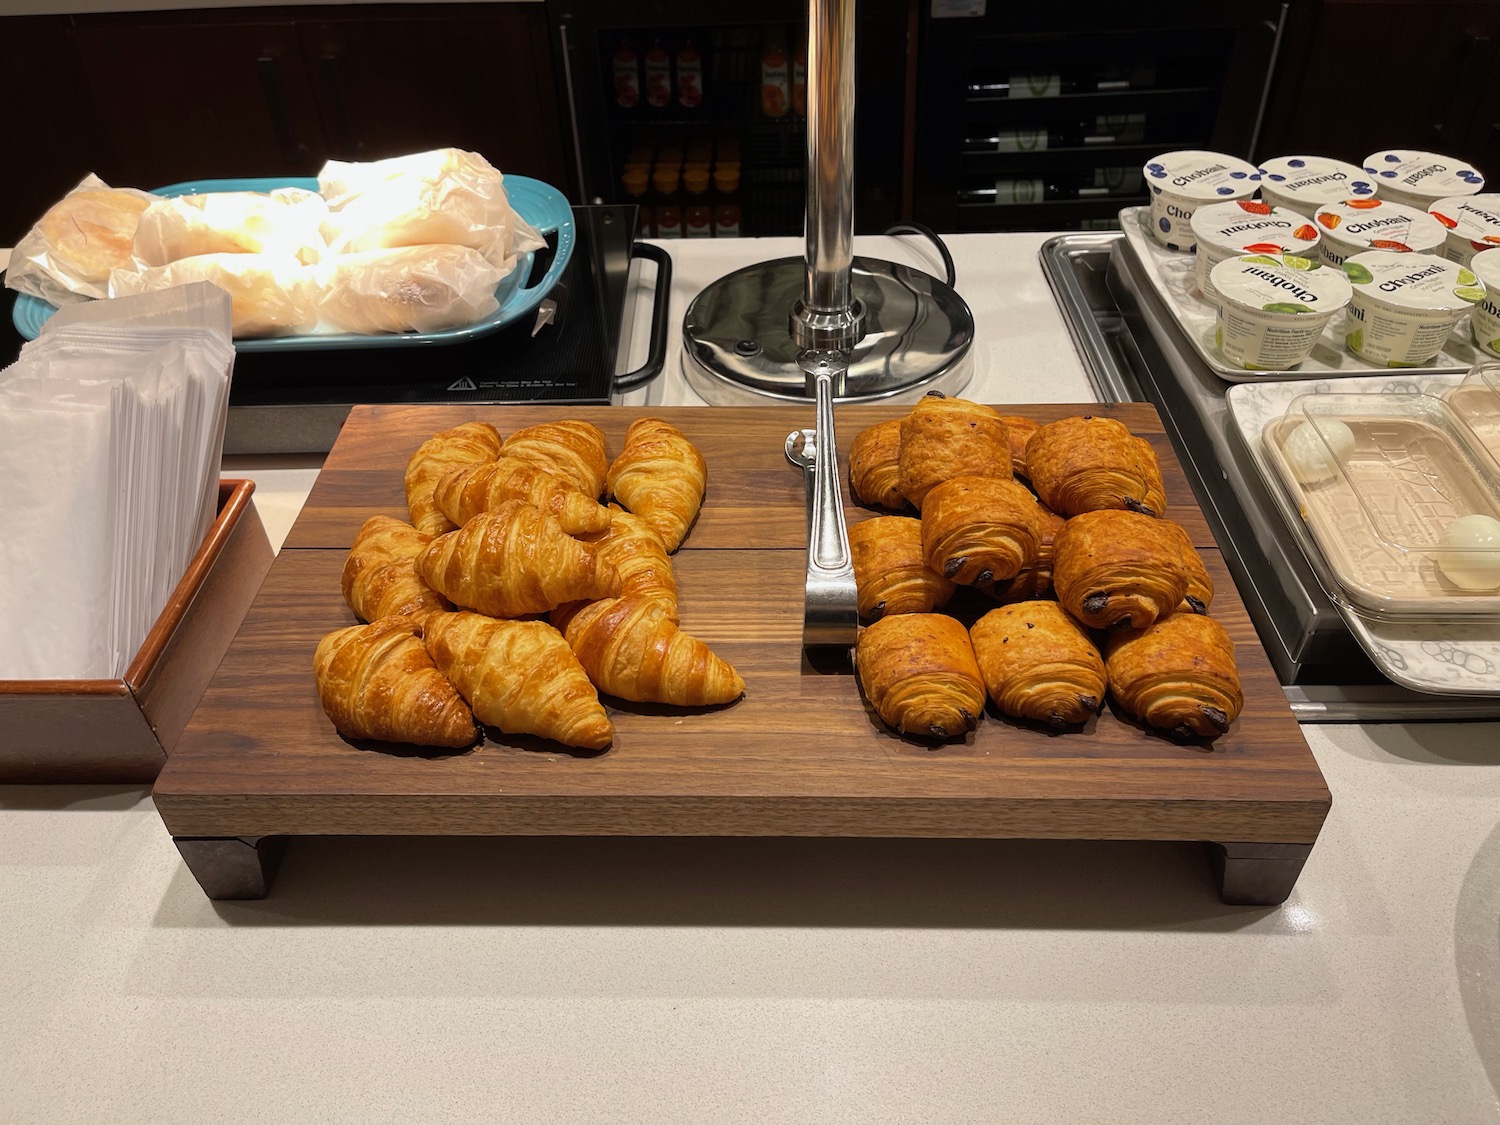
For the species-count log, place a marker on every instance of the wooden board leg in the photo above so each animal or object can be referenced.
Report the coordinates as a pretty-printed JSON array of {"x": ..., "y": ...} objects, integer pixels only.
[
  {"x": 1256, "y": 874},
  {"x": 232, "y": 867}
]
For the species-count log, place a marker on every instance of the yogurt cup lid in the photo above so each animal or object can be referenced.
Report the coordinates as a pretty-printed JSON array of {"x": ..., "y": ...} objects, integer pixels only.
[
  {"x": 1406, "y": 281},
  {"x": 1474, "y": 217},
  {"x": 1253, "y": 227},
  {"x": 1426, "y": 174},
  {"x": 1486, "y": 266},
  {"x": 1316, "y": 179},
  {"x": 1289, "y": 286},
  {"x": 1205, "y": 176},
  {"x": 1380, "y": 225}
]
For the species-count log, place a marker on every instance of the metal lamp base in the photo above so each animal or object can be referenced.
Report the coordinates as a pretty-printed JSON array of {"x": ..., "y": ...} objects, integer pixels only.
[{"x": 738, "y": 349}]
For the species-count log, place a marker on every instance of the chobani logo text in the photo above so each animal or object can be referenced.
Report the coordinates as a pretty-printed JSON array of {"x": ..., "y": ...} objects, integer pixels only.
[
  {"x": 1283, "y": 283},
  {"x": 1487, "y": 218},
  {"x": 1183, "y": 181},
  {"x": 1375, "y": 224},
  {"x": 1417, "y": 275},
  {"x": 1241, "y": 228},
  {"x": 1423, "y": 173},
  {"x": 1312, "y": 181}
]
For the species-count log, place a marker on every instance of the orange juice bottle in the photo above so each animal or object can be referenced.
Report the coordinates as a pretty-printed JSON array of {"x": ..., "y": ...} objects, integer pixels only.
[{"x": 775, "y": 80}]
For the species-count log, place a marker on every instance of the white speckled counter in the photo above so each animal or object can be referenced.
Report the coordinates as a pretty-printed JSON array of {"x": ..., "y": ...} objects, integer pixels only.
[{"x": 770, "y": 980}]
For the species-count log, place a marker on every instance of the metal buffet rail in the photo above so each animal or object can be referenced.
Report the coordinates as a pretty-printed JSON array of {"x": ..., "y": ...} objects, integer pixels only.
[{"x": 1132, "y": 351}]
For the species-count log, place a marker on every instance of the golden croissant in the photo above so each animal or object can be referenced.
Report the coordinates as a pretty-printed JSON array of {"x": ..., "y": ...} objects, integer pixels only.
[
  {"x": 380, "y": 576},
  {"x": 918, "y": 672},
  {"x": 467, "y": 444},
  {"x": 466, "y": 492},
  {"x": 948, "y": 437},
  {"x": 519, "y": 676},
  {"x": 632, "y": 649},
  {"x": 1178, "y": 674},
  {"x": 1038, "y": 664},
  {"x": 514, "y": 561},
  {"x": 1087, "y": 463},
  {"x": 891, "y": 573},
  {"x": 636, "y": 553},
  {"x": 1116, "y": 569},
  {"x": 875, "y": 466},
  {"x": 980, "y": 530},
  {"x": 377, "y": 681},
  {"x": 570, "y": 449},
  {"x": 660, "y": 476}
]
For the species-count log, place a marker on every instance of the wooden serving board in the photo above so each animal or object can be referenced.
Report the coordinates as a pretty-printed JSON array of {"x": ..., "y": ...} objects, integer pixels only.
[{"x": 800, "y": 754}]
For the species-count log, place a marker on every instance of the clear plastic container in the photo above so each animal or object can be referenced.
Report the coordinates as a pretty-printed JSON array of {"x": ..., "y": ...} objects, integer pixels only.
[
  {"x": 1383, "y": 481},
  {"x": 1477, "y": 402}
]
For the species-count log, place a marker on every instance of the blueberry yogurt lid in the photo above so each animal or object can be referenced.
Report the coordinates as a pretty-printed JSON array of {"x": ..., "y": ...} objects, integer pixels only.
[
  {"x": 1295, "y": 287},
  {"x": 1420, "y": 179},
  {"x": 1288, "y": 181},
  {"x": 1202, "y": 177},
  {"x": 1402, "y": 281}
]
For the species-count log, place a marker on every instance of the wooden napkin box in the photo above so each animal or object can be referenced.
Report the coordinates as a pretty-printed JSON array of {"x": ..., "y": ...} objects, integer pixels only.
[{"x": 121, "y": 731}]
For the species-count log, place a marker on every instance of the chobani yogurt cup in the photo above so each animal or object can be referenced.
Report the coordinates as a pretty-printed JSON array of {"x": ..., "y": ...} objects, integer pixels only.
[
  {"x": 1181, "y": 182},
  {"x": 1484, "y": 320},
  {"x": 1420, "y": 179},
  {"x": 1247, "y": 226},
  {"x": 1302, "y": 183},
  {"x": 1353, "y": 226},
  {"x": 1272, "y": 312},
  {"x": 1405, "y": 305},
  {"x": 1472, "y": 222}
]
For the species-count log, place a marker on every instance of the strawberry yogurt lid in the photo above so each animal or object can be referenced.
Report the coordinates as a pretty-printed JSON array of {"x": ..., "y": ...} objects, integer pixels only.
[
  {"x": 1474, "y": 217},
  {"x": 1251, "y": 227},
  {"x": 1379, "y": 224}
]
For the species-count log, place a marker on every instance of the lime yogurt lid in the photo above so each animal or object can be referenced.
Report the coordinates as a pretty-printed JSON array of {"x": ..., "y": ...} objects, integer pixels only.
[
  {"x": 1401, "y": 281},
  {"x": 1380, "y": 225},
  {"x": 1426, "y": 175},
  {"x": 1202, "y": 176},
  {"x": 1249, "y": 226},
  {"x": 1316, "y": 179},
  {"x": 1294, "y": 286}
]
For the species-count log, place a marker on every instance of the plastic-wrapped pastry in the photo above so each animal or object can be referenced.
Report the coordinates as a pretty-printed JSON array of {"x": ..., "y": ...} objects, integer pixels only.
[
  {"x": 980, "y": 530},
  {"x": 380, "y": 575},
  {"x": 272, "y": 294},
  {"x": 572, "y": 450},
  {"x": 638, "y": 557},
  {"x": 1034, "y": 581},
  {"x": 875, "y": 466},
  {"x": 69, "y": 254},
  {"x": 465, "y": 492},
  {"x": 378, "y": 681},
  {"x": 1178, "y": 674},
  {"x": 284, "y": 221},
  {"x": 1087, "y": 463},
  {"x": 890, "y": 570},
  {"x": 919, "y": 673},
  {"x": 1038, "y": 664},
  {"x": 520, "y": 677},
  {"x": 463, "y": 446},
  {"x": 1020, "y": 430},
  {"x": 659, "y": 476},
  {"x": 1200, "y": 588},
  {"x": 947, "y": 437},
  {"x": 412, "y": 289},
  {"x": 1118, "y": 570}
]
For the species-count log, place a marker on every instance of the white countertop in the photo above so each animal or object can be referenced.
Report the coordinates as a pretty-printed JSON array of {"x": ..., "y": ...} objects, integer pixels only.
[{"x": 777, "y": 980}]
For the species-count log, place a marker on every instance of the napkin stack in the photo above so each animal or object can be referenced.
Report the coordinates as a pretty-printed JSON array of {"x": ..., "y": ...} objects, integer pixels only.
[{"x": 111, "y": 433}]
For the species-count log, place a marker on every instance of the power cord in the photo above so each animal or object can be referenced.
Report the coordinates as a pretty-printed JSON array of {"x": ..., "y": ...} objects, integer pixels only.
[{"x": 907, "y": 227}]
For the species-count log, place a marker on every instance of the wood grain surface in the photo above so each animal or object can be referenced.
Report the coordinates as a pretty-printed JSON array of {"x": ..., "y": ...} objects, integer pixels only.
[{"x": 801, "y": 754}]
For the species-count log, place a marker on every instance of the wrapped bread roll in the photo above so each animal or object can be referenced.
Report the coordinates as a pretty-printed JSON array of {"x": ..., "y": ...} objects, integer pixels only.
[
  {"x": 1038, "y": 664},
  {"x": 1118, "y": 570},
  {"x": 1178, "y": 674},
  {"x": 70, "y": 253},
  {"x": 415, "y": 289},
  {"x": 918, "y": 672},
  {"x": 273, "y": 294},
  {"x": 947, "y": 437},
  {"x": 890, "y": 570},
  {"x": 284, "y": 221},
  {"x": 875, "y": 466}
]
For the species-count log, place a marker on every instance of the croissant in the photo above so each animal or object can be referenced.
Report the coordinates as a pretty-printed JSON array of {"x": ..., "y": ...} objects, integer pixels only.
[
  {"x": 514, "y": 561},
  {"x": 1117, "y": 569},
  {"x": 519, "y": 676},
  {"x": 1200, "y": 588},
  {"x": 465, "y": 493},
  {"x": 1038, "y": 664},
  {"x": 949, "y": 437},
  {"x": 918, "y": 672},
  {"x": 1019, "y": 430},
  {"x": 1034, "y": 581},
  {"x": 1083, "y": 464},
  {"x": 638, "y": 557},
  {"x": 632, "y": 649},
  {"x": 1178, "y": 674},
  {"x": 979, "y": 530},
  {"x": 890, "y": 570},
  {"x": 1155, "y": 497},
  {"x": 377, "y": 681},
  {"x": 467, "y": 444},
  {"x": 660, "y": 476},
  {"x": 380, "y": 577},
  {"x": 875, "y": 466},
  {"x": 570, "y": 449}
]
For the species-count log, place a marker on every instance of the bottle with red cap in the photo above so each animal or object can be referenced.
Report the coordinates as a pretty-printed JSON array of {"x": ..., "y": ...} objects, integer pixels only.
[
  {"x": 689, "y": 76},
  {"x": 627, "y": 73},
  {"x": 658, "y": 76}
]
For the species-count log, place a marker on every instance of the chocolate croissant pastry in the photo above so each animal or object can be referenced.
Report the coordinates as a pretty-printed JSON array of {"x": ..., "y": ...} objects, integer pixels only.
[
  {"x": 1155, "y": 498},
  {"x": 875, "y": 466},
  {"x": 1020, "y": 430},
  {"x": 919, "y": 673},
  {"x": 1084, "y": 464},
  {"x": 947, "y": 437},
  {"x": 1038, "y": 664},
  {"x": 890, "y": 570},
  {"x": 1118, "y": 570},
  {"x": 978, "y": 530},
  {"x": 1034, "y": 581},
  {"x": 1200, "y": 589},
  {"x": 1177, "y": 674}
]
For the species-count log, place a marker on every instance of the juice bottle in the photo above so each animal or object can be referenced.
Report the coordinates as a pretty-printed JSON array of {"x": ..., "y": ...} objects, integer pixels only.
[
  {"x": 658, "y": 76},
  {"x": 697, "y": 215},
  {"x": 689, "y": 76},
  {"x": 799, "y": 80},
  {"x": 627, "y": 72},
  {"x": 635, "y": 183},
  {"x": 727, "y": 202},
  {"x": 669, "y": 221},
  {"x": 775, "y": 80}
]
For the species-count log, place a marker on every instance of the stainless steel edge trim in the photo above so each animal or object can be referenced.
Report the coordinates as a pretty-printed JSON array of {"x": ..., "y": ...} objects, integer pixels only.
[{"x": 1093, "y": 349}]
